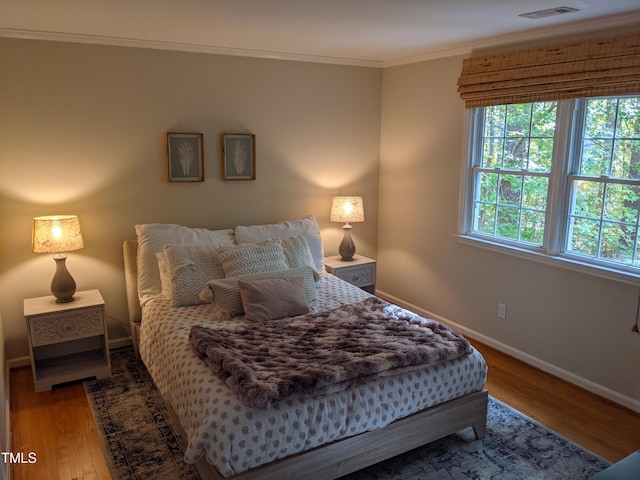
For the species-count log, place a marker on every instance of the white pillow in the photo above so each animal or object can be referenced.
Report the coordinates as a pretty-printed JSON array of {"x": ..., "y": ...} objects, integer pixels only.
[
  {"x": 307, "y": 226},
  {"x": 165, "y": 275},
  {"x": 153, "y": 237}
]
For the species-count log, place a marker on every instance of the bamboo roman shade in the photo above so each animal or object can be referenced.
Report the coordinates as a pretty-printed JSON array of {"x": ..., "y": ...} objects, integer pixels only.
[{"x": 589, "y": 68}]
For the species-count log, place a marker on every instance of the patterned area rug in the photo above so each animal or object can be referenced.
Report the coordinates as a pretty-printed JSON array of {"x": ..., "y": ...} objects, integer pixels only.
[{"x": 140, "y": 441}]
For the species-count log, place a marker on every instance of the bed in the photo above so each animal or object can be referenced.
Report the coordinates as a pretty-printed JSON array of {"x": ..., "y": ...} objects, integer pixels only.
[{"x": 173, "y": 290}]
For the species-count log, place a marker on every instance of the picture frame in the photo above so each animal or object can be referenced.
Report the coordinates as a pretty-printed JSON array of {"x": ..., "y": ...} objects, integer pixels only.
[
  {"x": 185, "y": 157},
  {"x": 238, "y": 156}
]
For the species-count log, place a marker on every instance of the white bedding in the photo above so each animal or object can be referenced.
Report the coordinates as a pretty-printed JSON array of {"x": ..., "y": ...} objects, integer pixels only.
[{"x": 235, "y": 438}]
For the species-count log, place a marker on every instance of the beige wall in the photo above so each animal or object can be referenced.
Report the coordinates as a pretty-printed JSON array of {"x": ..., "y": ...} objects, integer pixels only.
[
  {"x": 82, "y": 131},
  {"x": 575, "y": 325}
]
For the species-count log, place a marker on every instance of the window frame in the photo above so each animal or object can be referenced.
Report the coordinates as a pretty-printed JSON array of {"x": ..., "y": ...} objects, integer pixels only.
[{"x": 567, "y": 144}]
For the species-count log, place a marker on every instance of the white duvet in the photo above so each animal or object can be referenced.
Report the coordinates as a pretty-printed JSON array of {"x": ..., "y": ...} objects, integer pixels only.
[{"x": 234, "y": 438}]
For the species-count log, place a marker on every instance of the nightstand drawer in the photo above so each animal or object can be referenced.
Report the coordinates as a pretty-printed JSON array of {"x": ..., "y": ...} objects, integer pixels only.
[
  {"x": 359, "y": 275},
  {"x": 64, "y": 326}
]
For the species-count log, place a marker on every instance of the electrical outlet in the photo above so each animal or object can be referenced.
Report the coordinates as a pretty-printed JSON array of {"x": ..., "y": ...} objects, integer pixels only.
[{"x": 502, "y": 311}]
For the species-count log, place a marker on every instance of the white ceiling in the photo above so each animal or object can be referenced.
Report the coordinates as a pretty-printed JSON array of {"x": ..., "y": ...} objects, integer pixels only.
[{"x": 358, "y": 32}]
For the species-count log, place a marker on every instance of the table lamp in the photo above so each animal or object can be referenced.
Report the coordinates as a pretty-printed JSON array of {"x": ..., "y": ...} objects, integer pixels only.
[
  {"x": 347, "y": 209},
  {"x": 58, "y": 234}
]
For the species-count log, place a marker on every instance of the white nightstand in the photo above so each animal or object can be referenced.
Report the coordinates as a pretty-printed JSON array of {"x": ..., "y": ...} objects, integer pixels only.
[
  {"x": 361, "y": 271},
  {"x": 67, "y": 341}
]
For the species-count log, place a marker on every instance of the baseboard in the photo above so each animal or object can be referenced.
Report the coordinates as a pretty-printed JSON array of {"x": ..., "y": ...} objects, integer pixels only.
[
  {"x": 120, "y": 343},
  {"x": 554, "y": 370},
  {"x": 18, "y": 362}
]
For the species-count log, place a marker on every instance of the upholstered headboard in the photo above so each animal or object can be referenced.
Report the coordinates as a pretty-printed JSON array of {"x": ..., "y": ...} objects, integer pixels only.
[{"x": 130, "y": 253}]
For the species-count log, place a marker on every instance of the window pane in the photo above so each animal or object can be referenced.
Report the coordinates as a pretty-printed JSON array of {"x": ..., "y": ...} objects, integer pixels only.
[
  {"x": 532, "y": 227},
  {"x": 492, "y": 154},
  {"x": 508, "y": 222},
  {"x": 510, "y": 189},
  {"x": 629, "y": 118},
  {"x": 626, "y": 159},
  {"x": 486, "y": 219},
  {"x": 600, "y": 118},
  {"x": 519, "y": 120},
  {"x": 494, "y": 121},
  {"x": 588, "y": 198},
  {"x": 540, "y": 154},
  {"x": 516, "y": 153},
  {"x": 535, "y": 192},
  {"x": 543, "y": 122},
  {"x": 585, "y": 236},
  {"x": 618, "y": 242},
  {"x": 488, "y": 187},
  {"x": 596, "y": 155},
  {"x": 621, "y": 203}
]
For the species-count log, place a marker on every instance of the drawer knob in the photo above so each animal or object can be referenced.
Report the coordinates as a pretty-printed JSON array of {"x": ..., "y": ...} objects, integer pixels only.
[{"x": 67, "y": 327}]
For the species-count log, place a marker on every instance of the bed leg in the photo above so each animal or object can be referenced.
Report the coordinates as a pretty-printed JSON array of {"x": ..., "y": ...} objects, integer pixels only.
[{"x": 480, "y": 430}]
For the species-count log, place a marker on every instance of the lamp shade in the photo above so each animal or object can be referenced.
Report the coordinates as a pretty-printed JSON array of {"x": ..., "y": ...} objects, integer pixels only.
[
  {"x": 347, "y": 209},
  {"x": 56, "y": 234}
]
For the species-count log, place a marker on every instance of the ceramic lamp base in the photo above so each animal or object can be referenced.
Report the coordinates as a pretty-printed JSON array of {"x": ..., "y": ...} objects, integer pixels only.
[
  {"x": 347, "y": 248},
  {"x": 63, "y": 286}
]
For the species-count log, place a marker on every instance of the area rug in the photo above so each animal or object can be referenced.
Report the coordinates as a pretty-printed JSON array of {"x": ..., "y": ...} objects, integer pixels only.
[{"x": 140, "y": 441}]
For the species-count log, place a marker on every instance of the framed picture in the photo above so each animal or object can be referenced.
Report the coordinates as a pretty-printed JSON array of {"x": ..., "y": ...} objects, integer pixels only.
[
  {"x": 185, "y": 157},
  {"x": 238, "y": 156}
]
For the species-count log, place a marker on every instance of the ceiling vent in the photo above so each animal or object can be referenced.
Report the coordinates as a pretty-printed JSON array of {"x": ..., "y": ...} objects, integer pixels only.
[{"x": 549, "y": 13}]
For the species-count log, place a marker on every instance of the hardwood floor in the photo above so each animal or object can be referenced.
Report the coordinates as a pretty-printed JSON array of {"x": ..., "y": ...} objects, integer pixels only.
[
  {"x": 58, "y": 425},
  {"x": 605, "y": 428}
]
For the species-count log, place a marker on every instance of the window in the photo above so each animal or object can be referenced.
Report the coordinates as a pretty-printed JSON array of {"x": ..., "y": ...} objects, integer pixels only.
[
  {"x": 605, "y": 188},
  {"x": 558, "y": 179},
  {"x": 512, "y": 175}
]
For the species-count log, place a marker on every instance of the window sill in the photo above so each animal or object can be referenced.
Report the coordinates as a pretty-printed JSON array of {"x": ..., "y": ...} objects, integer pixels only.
[{"x": 555, "y": 261}]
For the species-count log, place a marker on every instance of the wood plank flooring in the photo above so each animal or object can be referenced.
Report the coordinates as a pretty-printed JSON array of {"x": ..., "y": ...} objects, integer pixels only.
[
  {"x": 605, "y": 428},
  {"x": 58, "y": 425}
]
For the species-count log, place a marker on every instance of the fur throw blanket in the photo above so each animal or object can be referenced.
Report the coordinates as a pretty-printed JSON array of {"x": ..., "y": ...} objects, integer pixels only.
[{"x": 320, "y": 352}]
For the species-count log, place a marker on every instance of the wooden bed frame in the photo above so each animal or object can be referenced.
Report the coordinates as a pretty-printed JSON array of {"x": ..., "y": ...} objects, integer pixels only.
[{"x": 344, "y": 456}]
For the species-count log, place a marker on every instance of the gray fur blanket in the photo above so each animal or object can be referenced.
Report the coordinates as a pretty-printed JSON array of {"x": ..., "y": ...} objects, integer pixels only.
[{"x": 320, "y": 352}]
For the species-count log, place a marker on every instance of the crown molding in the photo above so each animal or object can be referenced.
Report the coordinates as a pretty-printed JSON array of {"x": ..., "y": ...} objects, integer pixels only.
[
  {"x": 181, "y": 47},
  {"x": 626, "y": 20}
]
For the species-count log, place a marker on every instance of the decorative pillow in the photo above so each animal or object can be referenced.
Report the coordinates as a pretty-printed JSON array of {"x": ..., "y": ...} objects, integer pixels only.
[
  {"x": 272, "y": 298},
  {"x": 297, "y": 252},
  {"x": 250, "y": 258},
  {"x": 152, "y": 238},
  {"x": 224, "y": 293},
  {"x": 308, "y": 227},
  {"x": 190, "y": 267},
  {"x": 165, "y": 275}
]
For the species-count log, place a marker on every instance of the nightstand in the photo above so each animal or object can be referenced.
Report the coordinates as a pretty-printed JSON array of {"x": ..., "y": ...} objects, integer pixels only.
[
  {"x": 361, "y": 271},
  {"x": 67, "y": 341}
]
